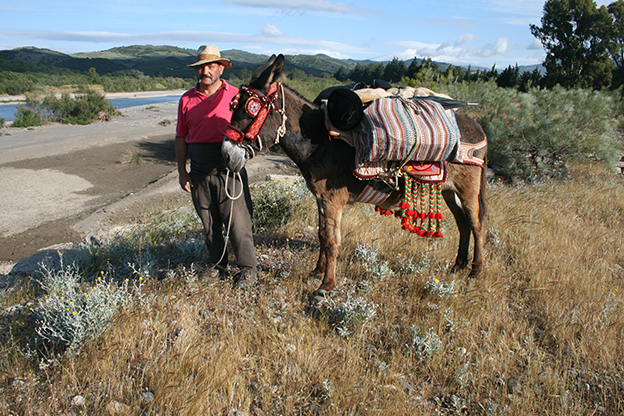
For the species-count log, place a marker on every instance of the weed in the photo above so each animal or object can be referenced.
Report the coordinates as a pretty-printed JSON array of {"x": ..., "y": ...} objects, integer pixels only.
[
  {"x": 441, "y": 289},
  {"x": 367, "y": 255},
  {"x": 73, "y": 311},
  {"x": 276, "y": 201},
  {"x": 133, "y": 158},
  {"x": 424, "y": 343},
  {"x": 352, "y": 313}
]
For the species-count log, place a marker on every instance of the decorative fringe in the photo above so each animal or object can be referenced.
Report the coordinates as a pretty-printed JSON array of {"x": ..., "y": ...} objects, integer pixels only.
[{"x": 420, "y": 208}]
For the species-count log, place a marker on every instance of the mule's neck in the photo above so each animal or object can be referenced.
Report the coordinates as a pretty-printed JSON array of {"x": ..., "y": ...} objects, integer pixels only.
[{"x": 304, "y": 127}]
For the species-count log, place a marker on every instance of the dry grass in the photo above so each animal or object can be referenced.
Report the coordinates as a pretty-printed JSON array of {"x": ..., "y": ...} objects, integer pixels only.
[{"x": 538, "y": 333}]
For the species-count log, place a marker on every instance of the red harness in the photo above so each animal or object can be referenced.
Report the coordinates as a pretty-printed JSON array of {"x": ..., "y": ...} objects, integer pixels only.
[{"x": 258, "y": 106}]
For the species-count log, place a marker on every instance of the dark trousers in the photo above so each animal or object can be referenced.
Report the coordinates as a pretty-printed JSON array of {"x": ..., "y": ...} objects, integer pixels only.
[{"x": 214, "y": 208}]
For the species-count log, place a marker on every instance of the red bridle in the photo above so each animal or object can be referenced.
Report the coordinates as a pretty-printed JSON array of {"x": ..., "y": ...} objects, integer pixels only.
[{"x": 258, "y": 106}]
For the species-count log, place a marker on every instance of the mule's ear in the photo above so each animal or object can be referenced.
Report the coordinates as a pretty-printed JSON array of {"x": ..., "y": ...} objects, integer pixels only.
[
  {"x": 258, "y": 72},
  {"x": 272, "y": 72},
  {"x": 278, "y": 66}
]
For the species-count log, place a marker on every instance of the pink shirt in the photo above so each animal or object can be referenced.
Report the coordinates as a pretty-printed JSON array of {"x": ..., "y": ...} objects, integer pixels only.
[{"x": 202, "y": 119}]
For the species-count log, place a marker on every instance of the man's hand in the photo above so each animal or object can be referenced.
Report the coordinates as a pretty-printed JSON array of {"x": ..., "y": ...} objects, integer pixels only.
[
  {"x": 185, "y": 181},
  {"x": 181, "y": 150},
  {"x": 233, "y": 155}
]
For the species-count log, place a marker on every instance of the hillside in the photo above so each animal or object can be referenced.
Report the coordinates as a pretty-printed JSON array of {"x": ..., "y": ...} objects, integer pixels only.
[
  {"x": 164, "y": 60},
  {"x": 156, "y": 60}
]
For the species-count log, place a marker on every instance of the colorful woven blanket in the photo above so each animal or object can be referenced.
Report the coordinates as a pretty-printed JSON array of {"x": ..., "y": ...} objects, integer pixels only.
[{"x": 399, "y": 129}]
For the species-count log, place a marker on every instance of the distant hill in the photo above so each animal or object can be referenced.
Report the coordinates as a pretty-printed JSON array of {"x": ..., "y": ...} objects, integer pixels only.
[{"x": 164, "y": 60}]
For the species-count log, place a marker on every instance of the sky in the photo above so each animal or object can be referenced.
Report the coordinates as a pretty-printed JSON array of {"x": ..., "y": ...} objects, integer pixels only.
[{"x": 481, "y": 33}]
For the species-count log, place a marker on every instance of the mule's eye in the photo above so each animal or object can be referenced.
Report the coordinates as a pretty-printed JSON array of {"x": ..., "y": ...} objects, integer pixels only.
[{"x": 234, "y": 102}]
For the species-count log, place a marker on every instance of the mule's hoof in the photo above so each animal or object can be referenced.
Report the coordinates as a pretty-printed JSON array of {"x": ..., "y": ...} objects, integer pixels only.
[
  {"x": 318, "y": 297},
  {"x": 474, "y": 273},
  {"x": 320, "y": 292}
]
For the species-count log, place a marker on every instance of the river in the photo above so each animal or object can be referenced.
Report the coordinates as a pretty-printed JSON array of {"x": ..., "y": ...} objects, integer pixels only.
[{"x": 7, "y": 111}]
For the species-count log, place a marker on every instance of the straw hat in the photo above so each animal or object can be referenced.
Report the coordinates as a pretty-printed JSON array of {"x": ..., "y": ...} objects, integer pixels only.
[{"x": 208, "y": 54}]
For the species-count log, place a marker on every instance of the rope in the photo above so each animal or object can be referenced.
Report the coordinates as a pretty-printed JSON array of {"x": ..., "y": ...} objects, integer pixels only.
[
  {"x": 227, "y": 191},
  {"x": 281, "y": 131},
  {"x": 232, "y": 199}
]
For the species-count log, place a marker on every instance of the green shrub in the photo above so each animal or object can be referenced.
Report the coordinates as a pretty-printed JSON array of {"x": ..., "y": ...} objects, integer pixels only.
[
  {"x": 73, "y": 311},
  {"x": 81, "y": 109},
  {"x": 537, "y": 134},
  {"x": 276, "y": 201},
  {"x": 27, "y": 117}
]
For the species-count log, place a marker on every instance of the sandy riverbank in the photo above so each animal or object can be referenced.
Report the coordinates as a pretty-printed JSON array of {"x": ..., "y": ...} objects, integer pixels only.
[
  {"x": 63, "y": 182},
  {"x": 17, "y": 99}
]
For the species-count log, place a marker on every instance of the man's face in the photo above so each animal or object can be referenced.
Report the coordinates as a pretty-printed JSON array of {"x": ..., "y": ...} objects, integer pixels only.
[{"x": 210, "y": 73}]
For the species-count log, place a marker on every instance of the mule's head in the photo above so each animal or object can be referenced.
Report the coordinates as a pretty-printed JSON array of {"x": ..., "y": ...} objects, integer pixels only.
[{"x": 258, "y": 108}]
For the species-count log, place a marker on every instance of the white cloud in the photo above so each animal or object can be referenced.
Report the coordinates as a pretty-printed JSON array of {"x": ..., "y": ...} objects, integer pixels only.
[
  {"x": 271, "y": 30},
  {"x": 271, "y": 35},
  {"x": 303, "y": 5},
  {"x": 465, "y": 39},
  {"x": 497, "y": 48},
  {"x": 457, "y": 52},
  {"x": 535, "y": 45}
]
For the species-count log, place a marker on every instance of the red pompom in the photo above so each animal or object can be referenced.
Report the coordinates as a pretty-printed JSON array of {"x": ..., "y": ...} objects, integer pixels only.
[
  {"x": 439, "y": 216},
  {"x": 438, "y": 234},
  {"x": 404, "y": 205},
  {"x": 377, "y": 208},
  {"x": 431, "y": 215}
]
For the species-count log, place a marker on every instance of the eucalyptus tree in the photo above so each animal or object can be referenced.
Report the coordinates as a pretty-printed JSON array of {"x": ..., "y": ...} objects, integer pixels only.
[{"x": 578, "y": 38}]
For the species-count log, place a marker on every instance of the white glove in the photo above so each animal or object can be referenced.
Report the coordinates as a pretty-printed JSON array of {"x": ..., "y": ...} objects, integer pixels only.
[{"x": 233, "y": 155}]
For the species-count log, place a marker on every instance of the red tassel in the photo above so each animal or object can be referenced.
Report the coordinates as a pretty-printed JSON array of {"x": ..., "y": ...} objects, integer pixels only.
[{"x": 438, "y": 234}]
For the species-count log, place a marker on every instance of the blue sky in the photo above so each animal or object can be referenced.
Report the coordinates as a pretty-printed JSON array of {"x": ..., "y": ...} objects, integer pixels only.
[{"x": 476, "y": 32}]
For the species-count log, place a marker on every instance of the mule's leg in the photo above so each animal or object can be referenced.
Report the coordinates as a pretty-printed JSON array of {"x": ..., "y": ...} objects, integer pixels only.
[
  {"x": 321, "y": 264},
  {"x": 469, "y": 186},
  {"x": 463, "y": 225},
  {"x": 330, "y": 235}
]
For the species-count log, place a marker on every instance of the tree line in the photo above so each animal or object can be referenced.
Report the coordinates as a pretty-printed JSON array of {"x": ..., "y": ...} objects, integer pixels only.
[{"x": 425, "y": 71}]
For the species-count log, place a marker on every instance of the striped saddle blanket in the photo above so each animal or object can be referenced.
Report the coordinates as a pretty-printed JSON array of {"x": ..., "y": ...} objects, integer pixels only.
[{"x": 405, "y": 130}]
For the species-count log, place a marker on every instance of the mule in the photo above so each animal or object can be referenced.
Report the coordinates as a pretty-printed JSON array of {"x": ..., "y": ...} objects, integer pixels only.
[{"x": 299, "y": 127}]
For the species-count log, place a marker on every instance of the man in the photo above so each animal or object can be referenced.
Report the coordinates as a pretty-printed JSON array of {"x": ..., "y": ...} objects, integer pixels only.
[{"x": 203, "y": 117}]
